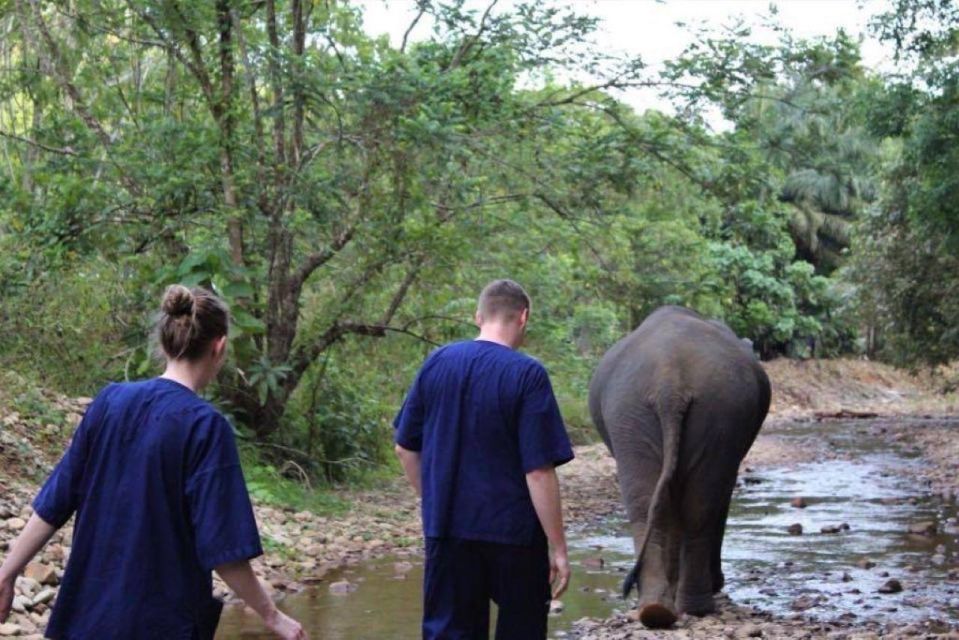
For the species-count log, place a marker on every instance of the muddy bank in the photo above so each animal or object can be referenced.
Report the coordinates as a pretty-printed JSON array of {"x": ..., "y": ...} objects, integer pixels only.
[{"x": 734, "y": 621}]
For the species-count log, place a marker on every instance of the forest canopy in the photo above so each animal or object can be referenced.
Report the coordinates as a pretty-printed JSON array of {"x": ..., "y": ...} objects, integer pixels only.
[{"x": 349, "y": 197}]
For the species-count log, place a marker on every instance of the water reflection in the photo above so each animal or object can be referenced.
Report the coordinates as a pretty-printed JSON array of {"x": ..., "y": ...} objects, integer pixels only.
[{"x": 870, "y": 491}]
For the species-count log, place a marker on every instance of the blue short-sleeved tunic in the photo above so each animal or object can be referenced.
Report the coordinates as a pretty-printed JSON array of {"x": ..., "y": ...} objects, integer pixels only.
[
  {"x": 482, "y": 415},
  {"x": 154, "y": 478}
]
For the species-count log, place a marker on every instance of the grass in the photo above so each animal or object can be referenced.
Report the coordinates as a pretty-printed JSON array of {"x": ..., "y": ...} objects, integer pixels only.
[{"x": 269, "y": 486}]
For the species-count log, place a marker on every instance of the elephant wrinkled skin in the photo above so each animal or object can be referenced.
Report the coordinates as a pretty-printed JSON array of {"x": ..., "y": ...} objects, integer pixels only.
[{"x": 678, "y": 402}]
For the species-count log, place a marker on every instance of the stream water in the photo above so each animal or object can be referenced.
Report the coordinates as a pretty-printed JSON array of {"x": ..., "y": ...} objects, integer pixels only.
[{"x": 864, "y": 483}]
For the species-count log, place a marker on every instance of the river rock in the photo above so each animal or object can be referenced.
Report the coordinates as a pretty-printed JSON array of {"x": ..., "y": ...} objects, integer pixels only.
[
  {"x": 891, "y": 586},
  {"x": 925, "y": 528},
  {"x": 795, "y": 529},
  {"x": 10, "y": 629},
  {"x": 846, "y": 577},
  {"x": 342, "y": 587},
  {"x": 555, "y": 607},
  {"x": 830, "y": 528},
  {"x": 42, "y": 573},
  {"x": 865, "y": 563},
  {"x": 750, "y": 631},
  {"x": 799, "y": 502},
  {"x": 20, "y": 603},
  {"x": 594, "y": 563},
  {"x": 802, "y": 603},
  {"x": 43, "y": 597},
  {"x": 27, "y": 586},
  {"x": 14, "y": 524}
]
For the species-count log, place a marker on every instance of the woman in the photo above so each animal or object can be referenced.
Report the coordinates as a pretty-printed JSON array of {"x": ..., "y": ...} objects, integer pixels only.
[{"x": 154, "y": 478}]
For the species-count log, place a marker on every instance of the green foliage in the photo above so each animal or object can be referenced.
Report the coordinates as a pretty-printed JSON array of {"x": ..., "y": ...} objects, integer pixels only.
[
  {"x": 284, "y": 488},
  {"x": 349, "y": 199}
]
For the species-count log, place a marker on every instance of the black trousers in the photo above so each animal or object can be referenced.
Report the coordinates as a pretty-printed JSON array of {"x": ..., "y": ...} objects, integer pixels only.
[{"x": 461, "y": 578}]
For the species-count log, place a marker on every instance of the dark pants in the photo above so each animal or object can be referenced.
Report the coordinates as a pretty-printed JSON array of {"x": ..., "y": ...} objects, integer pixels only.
[{"x": 462, "y": 576}]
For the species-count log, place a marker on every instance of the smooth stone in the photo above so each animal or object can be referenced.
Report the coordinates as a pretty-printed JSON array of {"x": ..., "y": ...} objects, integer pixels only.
[
  {"x": 42, "y": 573},
  {"x": 891, "y": 586},
  {"x": 342, "y": 587}
]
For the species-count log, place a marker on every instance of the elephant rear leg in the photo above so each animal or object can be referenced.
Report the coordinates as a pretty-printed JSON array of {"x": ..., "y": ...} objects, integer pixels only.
[
  {"x": 638, "y": 464},
  {"x": 719, "y": 532}
]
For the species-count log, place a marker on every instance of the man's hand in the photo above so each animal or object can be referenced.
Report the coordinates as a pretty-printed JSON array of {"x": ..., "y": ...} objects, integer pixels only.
[
  {"x": 411, "y": 467},
  {"x": 284, "y": 626},
  {"x": 544, "y": 492},
  {"x": 559, "y": 572},
  {"x": 6, "y": 597}
]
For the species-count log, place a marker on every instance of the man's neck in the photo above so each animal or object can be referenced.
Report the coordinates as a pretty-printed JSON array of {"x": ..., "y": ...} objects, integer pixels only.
[{"x": 504, "y": 338}]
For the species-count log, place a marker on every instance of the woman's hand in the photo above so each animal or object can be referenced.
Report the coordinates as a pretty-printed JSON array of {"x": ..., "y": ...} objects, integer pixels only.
[
  {"x": 285, "y": 627},
  {"x": 6, "y": 597},
  {"x": 239, "y": 576}
]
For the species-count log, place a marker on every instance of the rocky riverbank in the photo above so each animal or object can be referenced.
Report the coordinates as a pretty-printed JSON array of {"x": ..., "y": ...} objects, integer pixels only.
[{"x": 303, "y": 547}]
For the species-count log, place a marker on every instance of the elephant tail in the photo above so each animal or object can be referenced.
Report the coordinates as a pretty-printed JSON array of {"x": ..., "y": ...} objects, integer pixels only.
[{"x": 671, "y": 413}]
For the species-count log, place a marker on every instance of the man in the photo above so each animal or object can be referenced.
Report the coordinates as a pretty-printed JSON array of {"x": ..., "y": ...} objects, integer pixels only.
[{"x": 479, "y": 437}]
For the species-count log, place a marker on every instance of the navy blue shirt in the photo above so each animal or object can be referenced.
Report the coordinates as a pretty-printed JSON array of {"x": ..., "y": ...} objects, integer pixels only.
[
  {"x": 483, "y": 415},
  {"x": 154, "y": 478}
]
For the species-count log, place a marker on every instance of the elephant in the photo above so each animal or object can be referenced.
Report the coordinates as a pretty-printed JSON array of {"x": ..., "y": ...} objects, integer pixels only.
[{"x": 678, "y": 402}]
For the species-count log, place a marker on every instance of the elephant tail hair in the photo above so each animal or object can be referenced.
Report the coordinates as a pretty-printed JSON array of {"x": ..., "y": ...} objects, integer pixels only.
[{"x": 671, "y": 415}]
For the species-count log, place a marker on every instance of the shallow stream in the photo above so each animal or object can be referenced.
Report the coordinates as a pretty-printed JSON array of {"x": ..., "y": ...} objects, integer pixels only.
[{"x": 861, "y": 481}]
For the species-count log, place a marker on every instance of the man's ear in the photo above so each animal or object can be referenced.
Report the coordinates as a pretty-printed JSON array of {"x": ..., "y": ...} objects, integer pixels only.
[
  {"x": 524, "y": 317},
  {"x": 478, "y": 318}
]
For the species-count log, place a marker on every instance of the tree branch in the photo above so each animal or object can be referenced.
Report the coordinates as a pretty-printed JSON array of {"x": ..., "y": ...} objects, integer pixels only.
[
  {"x": 316, "y": 260},
  {"x": 471, "y": 40},
  {"x": 379, "y": 331},
  {"x": 53, "y": 63},
  {"x": 67, "y": 151},
  {"x": 409, "y": 29}
]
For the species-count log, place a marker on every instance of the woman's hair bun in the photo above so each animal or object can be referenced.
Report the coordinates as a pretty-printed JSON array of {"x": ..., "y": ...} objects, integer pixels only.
[{"x": 178, "y": 301}]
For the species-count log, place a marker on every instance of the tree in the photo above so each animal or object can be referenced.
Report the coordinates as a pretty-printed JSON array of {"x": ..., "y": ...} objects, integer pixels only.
[{"x": 272, "y": 150}]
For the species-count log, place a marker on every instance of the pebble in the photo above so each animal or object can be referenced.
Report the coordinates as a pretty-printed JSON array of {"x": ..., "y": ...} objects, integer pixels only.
[
  {"x": 925, "y": 528},
  {"x": 342, "y": 587},
  {"x": 803, "y": 603},
  {"x": 799, "y": 502},
  {"x": 794, "y": 529},
  {"x": 750, "y": 631},
  {"x": 15, "y": 524},
  {"x": 43, "y": 597},
  {"x": 10, "y": 629},
  {"x": 42, "y": 573},
  {"x": 555, "y": 607},
  {"x": 891, "y": 586}
]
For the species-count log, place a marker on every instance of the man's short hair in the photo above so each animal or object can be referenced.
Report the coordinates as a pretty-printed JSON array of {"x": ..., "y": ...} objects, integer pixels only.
[{"x": 503, "y": 299}]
